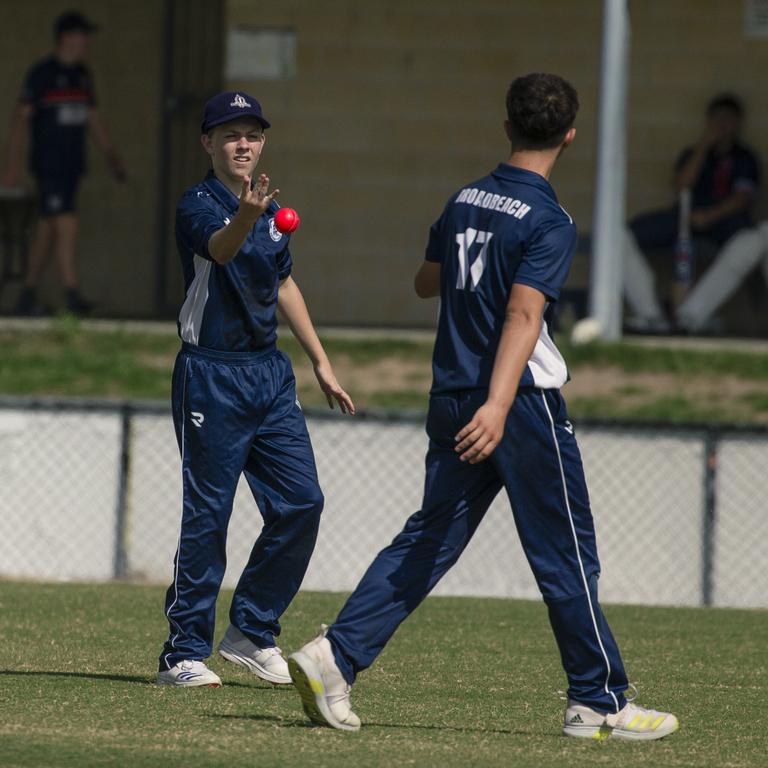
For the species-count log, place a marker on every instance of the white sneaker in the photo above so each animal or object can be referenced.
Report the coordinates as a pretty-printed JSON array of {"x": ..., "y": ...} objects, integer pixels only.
[
  {"x": 632, "y": 722},
  {"x": 266, "y": 663},
  {"x": 324, "y": 692},
  {"x": 189, "y": 674}
]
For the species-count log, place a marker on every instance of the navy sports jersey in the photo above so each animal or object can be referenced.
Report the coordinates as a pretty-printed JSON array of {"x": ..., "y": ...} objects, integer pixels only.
[
  {"x": 230, "y": 307},
  {"x": 721, "y": 176},
  {"x": 61, "y": 97},
  {"x": 505, "y": 228}
]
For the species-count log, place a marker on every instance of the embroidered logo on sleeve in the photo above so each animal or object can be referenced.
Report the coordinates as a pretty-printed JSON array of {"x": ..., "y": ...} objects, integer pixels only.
[{"x": 274, "y": 232}]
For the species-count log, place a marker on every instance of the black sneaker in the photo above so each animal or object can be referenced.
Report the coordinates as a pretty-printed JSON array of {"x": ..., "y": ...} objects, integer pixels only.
[
  {"x": 76, "y": 304},
  {"x": 28, "y": 305}
]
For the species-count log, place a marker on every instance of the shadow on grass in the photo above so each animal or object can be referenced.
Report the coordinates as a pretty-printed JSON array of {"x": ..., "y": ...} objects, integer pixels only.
[
  {"x": 293, "y": 723},
  {"x": 99, "y": 676}
]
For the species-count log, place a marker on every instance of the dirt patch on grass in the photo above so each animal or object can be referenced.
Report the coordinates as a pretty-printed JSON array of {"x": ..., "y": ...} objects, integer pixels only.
[
  {"x": 389, "y": 374},
  {"x": 594, "y": 391},
  {"x": 591, "y": 381}
]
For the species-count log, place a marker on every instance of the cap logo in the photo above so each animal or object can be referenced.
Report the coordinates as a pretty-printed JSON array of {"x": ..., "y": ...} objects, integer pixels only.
[{"x": 239, "y": 101}]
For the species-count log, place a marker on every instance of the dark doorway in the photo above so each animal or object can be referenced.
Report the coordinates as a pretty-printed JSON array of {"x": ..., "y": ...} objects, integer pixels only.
[{"x": 193, "y": 72}]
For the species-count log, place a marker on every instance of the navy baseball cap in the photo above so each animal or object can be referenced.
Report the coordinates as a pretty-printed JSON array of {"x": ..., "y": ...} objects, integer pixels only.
[
  {"x": 73, "y": 21},
  {"x": 228, "y": 106}
]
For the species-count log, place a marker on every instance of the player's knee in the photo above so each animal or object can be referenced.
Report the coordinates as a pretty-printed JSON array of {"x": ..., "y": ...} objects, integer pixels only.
[
  {"x": 313, "y": 501},
  {"x": 566, "y": 584}
]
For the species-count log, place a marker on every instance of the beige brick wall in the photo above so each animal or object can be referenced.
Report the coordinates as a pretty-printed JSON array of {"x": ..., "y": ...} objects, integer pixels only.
[{"x": 395, "y": 104}]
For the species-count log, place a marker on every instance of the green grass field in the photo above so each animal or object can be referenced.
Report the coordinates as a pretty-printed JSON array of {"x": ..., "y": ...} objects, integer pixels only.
[
  {"x": 626, "y": 380},
  {"x": 466, "y": 682}
]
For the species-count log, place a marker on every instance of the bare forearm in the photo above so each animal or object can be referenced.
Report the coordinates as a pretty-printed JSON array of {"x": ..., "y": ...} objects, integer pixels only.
[
  {"x": 291, "y": 303},
  {"x": 16, "y": 140},
  {"x": 101, "y": 134},
  {"x": 735, "y": 203},
  {"x": 689, "y": 173},
  {"x": 224, "y": 244},
  {"x": 518, "y": 340}
]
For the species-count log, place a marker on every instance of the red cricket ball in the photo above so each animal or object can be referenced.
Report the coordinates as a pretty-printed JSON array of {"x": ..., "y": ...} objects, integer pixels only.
[{"x": 287, "y": 220}]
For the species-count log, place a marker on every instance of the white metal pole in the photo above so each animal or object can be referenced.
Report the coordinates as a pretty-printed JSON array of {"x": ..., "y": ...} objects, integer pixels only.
[{"x": 611, "y": 173}]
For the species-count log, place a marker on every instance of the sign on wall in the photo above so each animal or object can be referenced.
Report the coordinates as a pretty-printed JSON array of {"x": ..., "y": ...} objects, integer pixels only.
[
  {"x": 257, "y": 53},
  {"x": 756, "y": 18}
]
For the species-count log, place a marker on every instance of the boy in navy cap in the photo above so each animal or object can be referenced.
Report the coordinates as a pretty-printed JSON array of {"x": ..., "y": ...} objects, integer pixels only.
[
  {"x": 59, "y": 104},
  {"x": 235, "y": 408}
]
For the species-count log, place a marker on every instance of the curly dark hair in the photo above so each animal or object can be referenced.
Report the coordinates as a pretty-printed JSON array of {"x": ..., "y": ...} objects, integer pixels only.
[{"x": 541, "y": 109}]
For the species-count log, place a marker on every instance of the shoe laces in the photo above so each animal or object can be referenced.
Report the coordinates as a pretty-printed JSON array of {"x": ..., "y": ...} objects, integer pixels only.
[{"x": 272, "y": 651}]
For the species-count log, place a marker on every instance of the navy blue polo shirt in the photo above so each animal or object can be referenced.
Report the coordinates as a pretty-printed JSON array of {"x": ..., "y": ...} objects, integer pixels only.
[
  {"x": 229, "y": 307},
  {"x": 61, "y": 97},
  {"x": 503, "y": 229},
  {"x": 720, "y": 176}
]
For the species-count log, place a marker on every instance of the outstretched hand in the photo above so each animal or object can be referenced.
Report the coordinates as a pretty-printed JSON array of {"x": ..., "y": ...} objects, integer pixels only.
[
  {"x": 254, "y": 202},
  {"x": 332, "y": 389}
]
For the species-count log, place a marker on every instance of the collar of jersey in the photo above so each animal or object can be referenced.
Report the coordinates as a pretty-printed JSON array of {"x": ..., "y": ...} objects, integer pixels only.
[
  {"x": 521, "y": 175},
  {"x": 221, "y": 193}
]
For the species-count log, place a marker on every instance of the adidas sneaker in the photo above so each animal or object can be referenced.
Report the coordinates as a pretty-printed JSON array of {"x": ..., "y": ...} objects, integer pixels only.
[
  {"x": 632, "y": 722},
  {"x": 189, "y": 674}
]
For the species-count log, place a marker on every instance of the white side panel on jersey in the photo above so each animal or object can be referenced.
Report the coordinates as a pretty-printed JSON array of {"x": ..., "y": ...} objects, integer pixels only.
[
  {"x": 547, "y": 366},
  {"x": 191, "y": 315}
]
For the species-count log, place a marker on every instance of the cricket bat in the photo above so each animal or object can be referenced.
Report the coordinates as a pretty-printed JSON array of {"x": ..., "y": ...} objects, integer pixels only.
[{"x": 683, "y": 259}]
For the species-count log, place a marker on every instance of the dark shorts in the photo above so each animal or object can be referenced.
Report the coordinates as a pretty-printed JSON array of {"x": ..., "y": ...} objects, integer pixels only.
[
  {"x": 57, "y": 195},
  {"x": 658, "y": 229}
]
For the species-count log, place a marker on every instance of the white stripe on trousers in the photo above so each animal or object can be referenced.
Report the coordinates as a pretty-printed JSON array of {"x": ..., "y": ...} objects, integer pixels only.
[
  {"x": 578, "y": 552},
  {"x": 181, "y": 521}
]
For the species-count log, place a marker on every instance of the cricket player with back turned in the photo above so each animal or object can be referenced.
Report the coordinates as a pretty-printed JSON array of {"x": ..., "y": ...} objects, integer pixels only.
[
  {"x": 497, "y": 257},
  {"x": 235, "y": 408}
]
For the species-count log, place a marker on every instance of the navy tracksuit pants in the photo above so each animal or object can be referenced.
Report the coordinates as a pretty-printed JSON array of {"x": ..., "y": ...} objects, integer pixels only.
[
  {"x": 238, "y": 413},
  {"x": 539, "y": 465}
]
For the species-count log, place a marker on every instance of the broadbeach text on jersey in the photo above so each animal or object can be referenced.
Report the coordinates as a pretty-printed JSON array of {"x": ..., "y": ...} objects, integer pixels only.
[{"x": 502, "y": 203}]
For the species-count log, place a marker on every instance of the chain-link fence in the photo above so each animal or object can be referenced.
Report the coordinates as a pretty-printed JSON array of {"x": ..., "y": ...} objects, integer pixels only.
[{"x": 93, "y": 491}]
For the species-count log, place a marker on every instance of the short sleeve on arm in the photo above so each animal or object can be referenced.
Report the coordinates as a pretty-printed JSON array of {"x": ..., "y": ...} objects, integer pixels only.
[
  {"x": 434, "y": 251},
  {"x": 746, "y": 174},
  {"x": 547, "y": 259},
  {"x": 284, "y": 263},
  {"x": 196, "y": 220},
  {"x": 30, "y": 90}
]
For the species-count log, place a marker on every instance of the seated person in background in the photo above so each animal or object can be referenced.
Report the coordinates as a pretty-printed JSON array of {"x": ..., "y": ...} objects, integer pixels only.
[{"x": 723, "y": 176}]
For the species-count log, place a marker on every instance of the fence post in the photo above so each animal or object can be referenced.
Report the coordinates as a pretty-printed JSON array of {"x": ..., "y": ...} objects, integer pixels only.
[
  {"x": 709, "y": 516},
  {"x": 121, "y": 512}
]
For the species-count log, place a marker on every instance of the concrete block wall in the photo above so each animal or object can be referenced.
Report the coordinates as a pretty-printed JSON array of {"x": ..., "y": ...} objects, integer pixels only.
[{"x": 394, "y": 105}]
